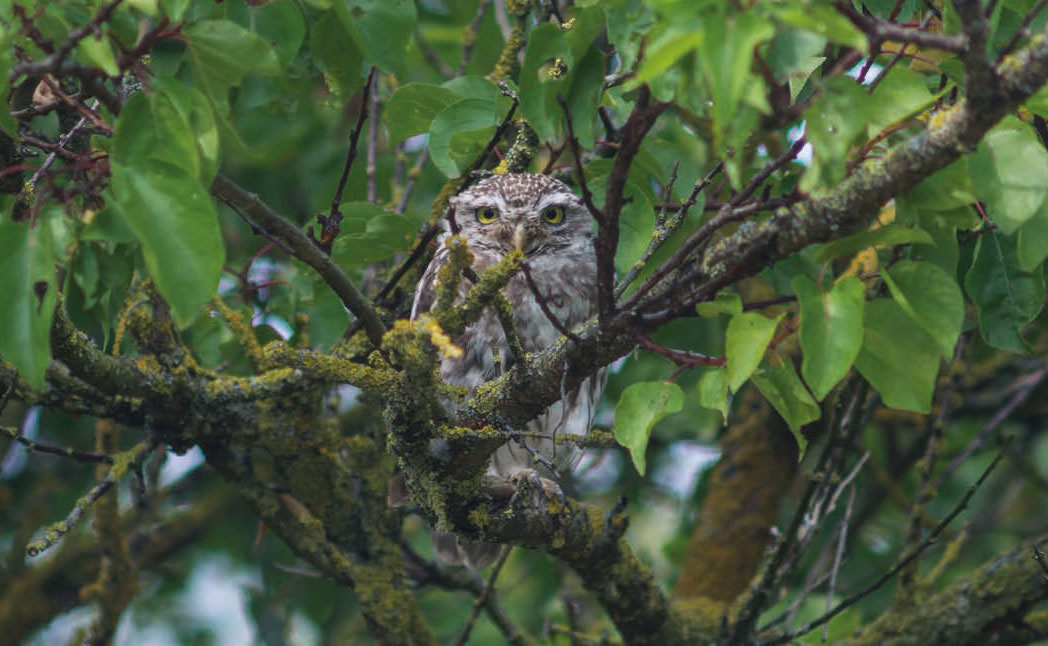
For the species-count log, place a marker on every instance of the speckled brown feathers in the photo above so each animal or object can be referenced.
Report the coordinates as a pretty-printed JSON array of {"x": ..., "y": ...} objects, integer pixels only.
[{"x": 547, "y": 222}]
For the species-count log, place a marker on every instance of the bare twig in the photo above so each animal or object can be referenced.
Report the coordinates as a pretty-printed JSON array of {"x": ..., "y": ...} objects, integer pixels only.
[
  {"x": 66, "y": 452},
  {"x": 541, "y": 300},
  {"x": 331, "y": 224},
  {"x": 120, "y": 467},
  {"x": 489, "y": 590},
  {"x": 904, "y": 562}
]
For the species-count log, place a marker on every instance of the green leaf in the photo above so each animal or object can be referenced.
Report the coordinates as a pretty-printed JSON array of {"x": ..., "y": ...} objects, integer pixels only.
[
  {"x": 459, "y": 133},
  {"x": 7, "y": 59},
  {"x": 932, "y": 297},
  {"x": 1006, "y": 297},
  {"x": 340, "y": 58},
  {"x": 1010, "y": 174},
  {"x": 412, "y": 108},
  {"x": 947, "y": 189},
  {"x": 831, "y": 331},
  {"x": 725, "y": 302},
  {"x": 885, "y": 236},
  {"x": 640, "y": 407},
  {"x": 902, "y": 94},
  {"x": 1033, "y": 240},
  {"x": 381, "y": 29},
  {"x": 666, "y": 50},
  {"x": 836, "y": 118},
  {"x": 221, "y": 52},
  {"x": 176, "y": 224},
  {"x": 822, "y": 20},
  {"x": 746, "y": 340},
  {"x": 98, "y": 51},
  {"x": 783, "y": 388},
  {"x": 27, "y": 280},
  {"x": 282, "y": 26},
  {"x": 713, "y": 391},
  {"x": 898, "y": 358},
  {"x": 194, "y": 117},
  {"x": 370, "y": 234}
]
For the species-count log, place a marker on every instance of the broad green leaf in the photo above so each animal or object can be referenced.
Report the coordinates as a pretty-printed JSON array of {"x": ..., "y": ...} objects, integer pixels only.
[
  {"x": 725, "y": 302},
  {"x": 932, "y": 297},
  {"x": 412, "y": 108},
  {"x": 459, "y": 133},
  {"x": 381, "y": 28},
  {"x": 713, "y": 391},
  {"x": 196, "y": 118},
  {"x": 902, "y": 94},
  {"x": 282, "y": 26},
  {"x": 746, "y": 340},
  {"x": 885, "y": 236},
  {"x": 27, "y": 281},
  {"x": 1010, "y": 174},
  {"x": 831, "y": 331},
  {"x": 640, "y": 407},
  {"x": 822, "y": 20},
  {"x": 587, "y": 84},
  {"x": 340, "y": 58},
  {"x": 666, "y": 50},
  {"x": 783, "y": 388},
  {"x": 947, "y": 189},
  {"x": 1006, "y": 297},
  {"x": 176, "y": 223},
  {"x": 793, "y": 54},
  {"x": 836, "y": 118},
  {"x": 370, "y": 234},
  {"x": 221, "y": 52},
  {"x": 1032, "y": 245},
  {"x": 98, "y": 51},
  {"x": 7, "y": 59},
  {"x": 730, "y": 79},
  {"x": 898, "y": 358},
  {"x": 541, "y": 81},
  {"x": 151, "y": 129}
]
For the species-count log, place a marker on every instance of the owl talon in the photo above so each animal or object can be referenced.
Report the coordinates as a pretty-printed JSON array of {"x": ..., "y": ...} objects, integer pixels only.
[{"x": 542, "y": 489}]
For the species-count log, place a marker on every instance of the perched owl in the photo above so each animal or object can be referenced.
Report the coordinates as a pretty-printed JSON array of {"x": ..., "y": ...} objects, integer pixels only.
[{"x": 542, "y": 218}]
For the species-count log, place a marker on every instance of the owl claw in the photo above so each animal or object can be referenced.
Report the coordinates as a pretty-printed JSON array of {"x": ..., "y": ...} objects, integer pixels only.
[{"x": 541, "y": 489}]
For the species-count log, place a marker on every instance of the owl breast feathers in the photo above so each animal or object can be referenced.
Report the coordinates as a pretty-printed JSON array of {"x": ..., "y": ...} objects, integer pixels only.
[{"x": 542, "y": 218}]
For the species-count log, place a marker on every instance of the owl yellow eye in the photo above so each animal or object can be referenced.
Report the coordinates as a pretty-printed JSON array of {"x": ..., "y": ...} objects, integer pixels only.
[
  {"x": 487, "y": 214},
  {"x": 553, "y": 214}
]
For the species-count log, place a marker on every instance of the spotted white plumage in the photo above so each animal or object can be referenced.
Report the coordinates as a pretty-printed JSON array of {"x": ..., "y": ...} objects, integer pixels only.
[{"x": 548, "y": 223}]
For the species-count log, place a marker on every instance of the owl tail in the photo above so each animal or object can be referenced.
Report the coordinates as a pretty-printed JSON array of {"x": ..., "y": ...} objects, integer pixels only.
[{"x": 455, "y": 550}]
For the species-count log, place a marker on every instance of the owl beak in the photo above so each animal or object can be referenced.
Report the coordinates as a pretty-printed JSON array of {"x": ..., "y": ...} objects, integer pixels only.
[{"x": 519, "y": 238}]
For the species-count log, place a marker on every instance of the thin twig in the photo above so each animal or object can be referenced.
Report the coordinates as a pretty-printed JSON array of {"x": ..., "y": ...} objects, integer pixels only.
[
  {"x": 372, "y": 165},
  {"x": 482, "y": 598},
  {"x": 1022, "y": 30},
  {"x": 416, "y": 254},
  {"x": 674, "y": 224},
  {"x": 120, "y": 467},
  {"x": 541, "y": 300},
  {"x": 685, "y": 358},
  {"x": 331, "y": 225},
  {"x": 905, "y": 561},
  {"x": 89, "y": 457},
  {"x": 1029, "y": 384},
  {"x": 472, "y": 31}
]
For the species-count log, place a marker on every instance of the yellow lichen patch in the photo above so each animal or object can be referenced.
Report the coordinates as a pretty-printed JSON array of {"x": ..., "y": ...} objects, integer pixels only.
[{"x": 439, "y": 339}]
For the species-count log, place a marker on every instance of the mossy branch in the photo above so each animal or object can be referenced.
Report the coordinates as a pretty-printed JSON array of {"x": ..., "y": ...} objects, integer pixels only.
[{"x": 123, "y": 462}]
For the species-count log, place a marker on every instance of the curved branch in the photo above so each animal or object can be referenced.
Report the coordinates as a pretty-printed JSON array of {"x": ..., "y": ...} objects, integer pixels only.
[{"x": 302, "y": 248}]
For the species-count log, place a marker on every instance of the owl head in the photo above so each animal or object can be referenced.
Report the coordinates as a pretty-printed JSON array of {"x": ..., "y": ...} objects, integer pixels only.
[{"x": 535, "y": 214}]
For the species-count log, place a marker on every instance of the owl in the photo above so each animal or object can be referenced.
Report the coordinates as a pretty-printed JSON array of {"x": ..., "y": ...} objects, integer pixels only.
[{"x": 544, "y": 220}]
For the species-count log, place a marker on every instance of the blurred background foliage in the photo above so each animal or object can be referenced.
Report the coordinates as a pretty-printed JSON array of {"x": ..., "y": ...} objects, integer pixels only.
[{"x": 269, "y": 93}]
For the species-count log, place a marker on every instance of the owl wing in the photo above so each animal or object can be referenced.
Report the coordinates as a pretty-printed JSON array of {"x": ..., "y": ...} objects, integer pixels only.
[{"x": 426, "y": 292}]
